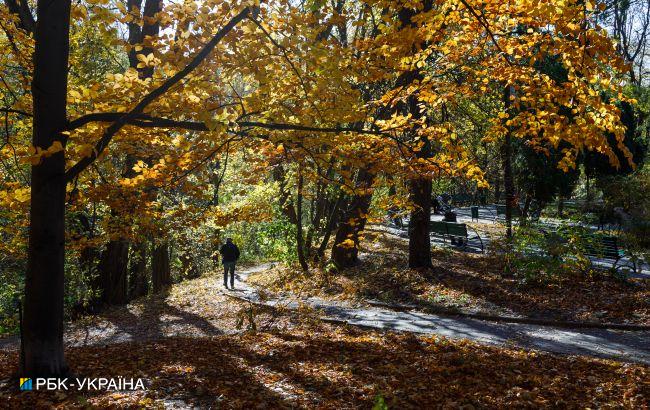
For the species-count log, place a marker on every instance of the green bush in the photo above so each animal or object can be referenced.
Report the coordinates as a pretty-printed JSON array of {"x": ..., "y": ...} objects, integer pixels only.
[
  {"x": 539, "y": 254},
  {"x": 270, "y": 241}
]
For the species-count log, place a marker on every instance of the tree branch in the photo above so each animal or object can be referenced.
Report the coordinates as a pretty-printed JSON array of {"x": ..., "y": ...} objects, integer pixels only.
[
  {"x": 147, "y": 121},
  {"x": 482, "y": 21},
  {"x": 124, "y": 119},
  {"x": 12, "y": 111},
  {"x": 26, "y": 19}
]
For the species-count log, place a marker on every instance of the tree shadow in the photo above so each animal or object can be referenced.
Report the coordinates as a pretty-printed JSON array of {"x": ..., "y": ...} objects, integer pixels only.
[
  {"x": 556, "y": 301},
  {"x": 479, "y": 278},
  {"x": 155, "y": 320},
  {"x": 320, "y": 369}
]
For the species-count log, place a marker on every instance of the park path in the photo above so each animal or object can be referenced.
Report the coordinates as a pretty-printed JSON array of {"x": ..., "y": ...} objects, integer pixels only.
[
  {"x": 207, "y": 314},
  {"x": 631, "y": 346}
]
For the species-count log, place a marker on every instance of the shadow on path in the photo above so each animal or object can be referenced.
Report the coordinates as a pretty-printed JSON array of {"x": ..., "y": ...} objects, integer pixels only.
[{"x": 633, "y": 346}]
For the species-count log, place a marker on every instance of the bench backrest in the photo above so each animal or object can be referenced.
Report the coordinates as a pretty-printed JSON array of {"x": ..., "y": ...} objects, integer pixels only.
[
  {"x": 438, "y": 227},
  {"x": 448, "y": 228},
  {"x": 461, "y": 198},
  {"x": 501, "y": 210},
  {"x": 605, "y": 246},
  {"x": 455, "y": 229}
]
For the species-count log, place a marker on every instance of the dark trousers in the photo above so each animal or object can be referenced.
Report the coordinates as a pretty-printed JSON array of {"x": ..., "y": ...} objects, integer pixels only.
[{"x": 229, "y": 267}]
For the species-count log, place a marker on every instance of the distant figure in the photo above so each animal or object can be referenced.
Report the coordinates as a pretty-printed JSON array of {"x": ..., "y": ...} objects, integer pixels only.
[
  {"x": 393, "y": 215},
  {"x": 435, "y": 202},
  {"x": 229, "y": 255},
  {"x": 441, "y": 204}
]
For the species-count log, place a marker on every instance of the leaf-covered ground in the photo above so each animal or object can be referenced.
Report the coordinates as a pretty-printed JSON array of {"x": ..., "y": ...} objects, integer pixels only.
[
  {"x": 465, "y": 282},
  {"x": 187, "y": 347},
  {"x": 342, "y": 368}
]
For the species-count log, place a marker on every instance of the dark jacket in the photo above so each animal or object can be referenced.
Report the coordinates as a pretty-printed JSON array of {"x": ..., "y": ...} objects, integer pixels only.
[{"x": 229, "y": 252}]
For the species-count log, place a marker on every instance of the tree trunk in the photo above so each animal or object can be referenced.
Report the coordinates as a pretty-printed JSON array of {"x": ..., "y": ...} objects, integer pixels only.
[
  {"x": 420, "y": 187},
  {"x": 286, "y": 205},
  {"x": 114, "y": 267},
  {"x": 420, "y": 196},
  {"x": 42, "y": 341},
  {"x": 294, "y": 215},
  {"x": 113, "y": 271},
  {"x": 507, "y": 169},
  {"x": 160, "y": 269},
  {"x": 526, "y": 209},
  {"x": 497, "y": 187},
  {"x": 331, "y": 223},
  {"x": 88, "y": 257},
  {"x": 419, "y": 239},
  {"x": 300, "y": 243},
  {"x": 139, "y": 285},
  {"x": 345, "y": 251},
  {"x": 319, "y": 203}
]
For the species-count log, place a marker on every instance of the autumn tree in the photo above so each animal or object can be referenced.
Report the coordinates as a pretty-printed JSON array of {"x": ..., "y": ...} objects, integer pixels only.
[
  {"x": 42, "y": 351},
  {"x": 204, "y": 78}
]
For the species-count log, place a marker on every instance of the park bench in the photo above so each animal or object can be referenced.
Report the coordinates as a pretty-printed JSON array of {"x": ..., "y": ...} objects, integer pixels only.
[
  {"x": 454, "y": 232},
  {"x": 501, "y": 212},
  {"x": 604, "y": 247},
  {"x": 597, "y": 246},
  {"x": 461, "y": 199}
]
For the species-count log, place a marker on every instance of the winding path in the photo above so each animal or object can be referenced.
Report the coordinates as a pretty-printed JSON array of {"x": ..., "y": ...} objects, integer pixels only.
[{"x": 631, "y": 346}]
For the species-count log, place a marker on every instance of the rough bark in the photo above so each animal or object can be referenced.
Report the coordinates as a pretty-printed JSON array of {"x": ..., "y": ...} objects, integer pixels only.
[
  {"x": 42, "y": 342},
  {"x": 419, "y": 239},
  {"x": 419, "y": 187},
  {"x": 138, "y": 285},
  {"x": 300, "y": 242},
  {"x": 160, "y": 269},
  {"x": 346, "y": 253},
  {"x": 113, "y": 273}
]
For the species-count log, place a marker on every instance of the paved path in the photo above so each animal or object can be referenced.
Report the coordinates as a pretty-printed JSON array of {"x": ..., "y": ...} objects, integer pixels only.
[{"x": 633, "y": 346}]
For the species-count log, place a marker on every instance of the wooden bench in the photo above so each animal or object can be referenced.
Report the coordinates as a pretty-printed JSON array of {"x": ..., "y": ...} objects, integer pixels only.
[
  {"x": 501, "y": 212},
  {"x": 605, "y": 247},
  {"x": 453, "y": 231},
  {"x": 461, "y": 199},
  {"x": 595, "y": 245}
]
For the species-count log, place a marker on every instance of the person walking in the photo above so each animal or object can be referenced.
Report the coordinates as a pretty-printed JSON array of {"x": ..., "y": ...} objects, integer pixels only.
[{"x": 229, "y": 255}]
